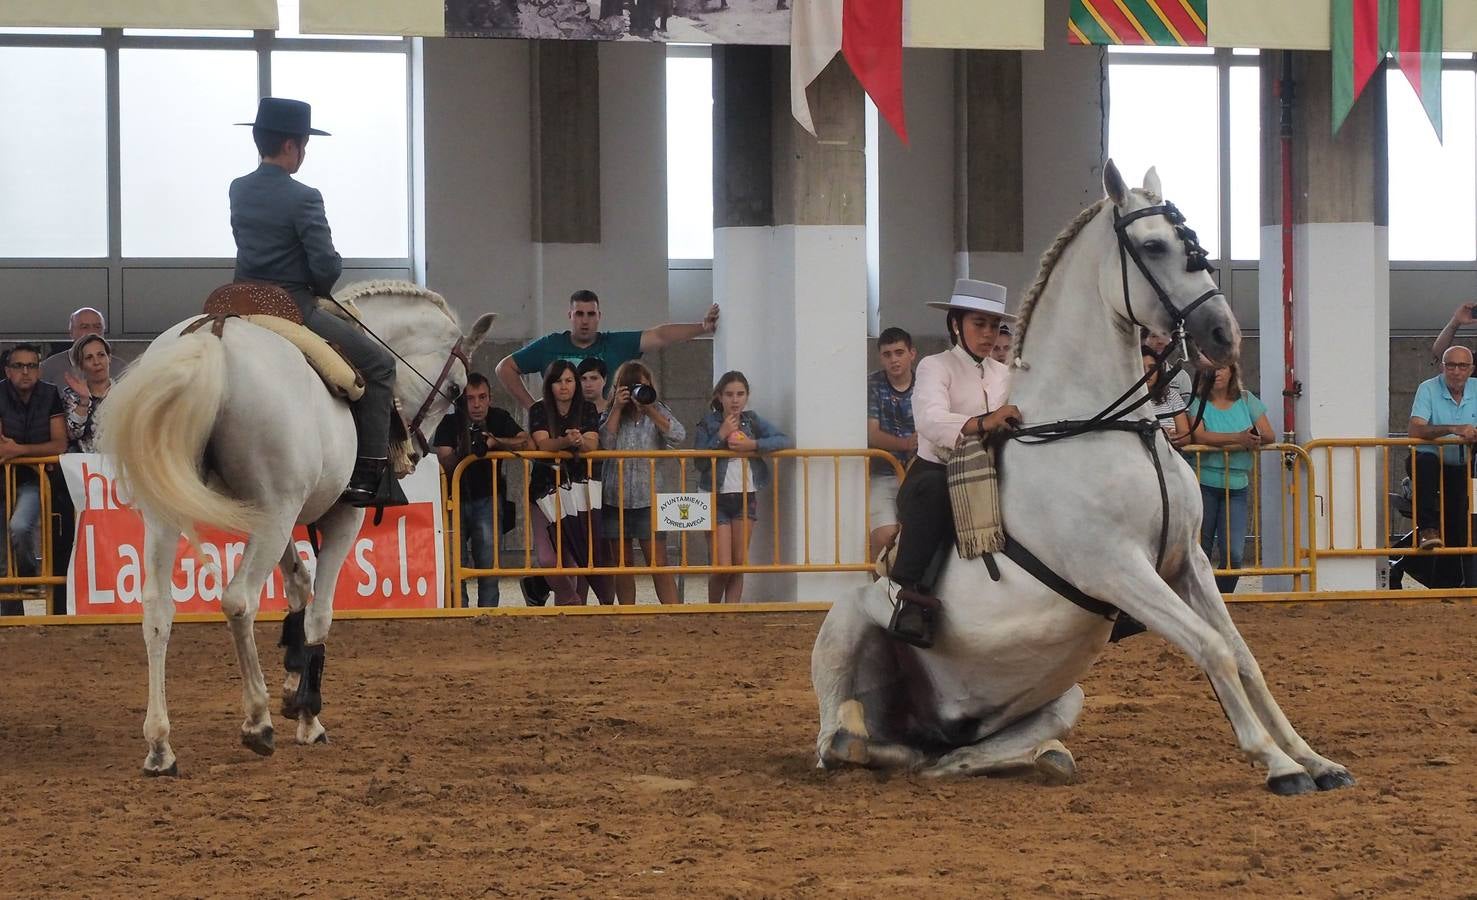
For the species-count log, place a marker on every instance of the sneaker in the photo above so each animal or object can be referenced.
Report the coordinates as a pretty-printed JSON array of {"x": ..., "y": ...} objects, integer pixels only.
[{"x": 1431, "y": 539}]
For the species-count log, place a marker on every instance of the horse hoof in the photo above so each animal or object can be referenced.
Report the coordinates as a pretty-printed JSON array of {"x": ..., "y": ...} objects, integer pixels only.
[
  {"x": 1056, "y": 767},
  {"x": 172, "y": 771},
  {"x": 1334, "y": 779},
  {"x": 261, "y": 743},
  {"x": 1291, "y": 784},
  {"x": 846, "y": 749}
]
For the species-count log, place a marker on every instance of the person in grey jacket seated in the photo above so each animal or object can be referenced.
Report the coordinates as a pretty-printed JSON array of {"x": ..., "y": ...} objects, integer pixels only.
[{"x": 282, "y": 238}]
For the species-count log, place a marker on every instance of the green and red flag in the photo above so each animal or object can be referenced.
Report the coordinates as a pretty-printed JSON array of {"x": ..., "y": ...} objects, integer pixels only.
[
  {"x": 1161, "y": 23},
  {"x": 1363, "y": 31}
]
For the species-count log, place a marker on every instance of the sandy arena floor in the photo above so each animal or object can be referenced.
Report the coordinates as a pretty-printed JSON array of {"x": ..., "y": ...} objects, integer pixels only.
[{"x": 658, "y": 756}]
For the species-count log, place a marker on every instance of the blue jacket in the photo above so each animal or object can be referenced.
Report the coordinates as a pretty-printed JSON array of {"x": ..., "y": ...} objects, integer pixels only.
[
  {"x": 768, "y": 437},
  {"x": 282, "y": 234}
]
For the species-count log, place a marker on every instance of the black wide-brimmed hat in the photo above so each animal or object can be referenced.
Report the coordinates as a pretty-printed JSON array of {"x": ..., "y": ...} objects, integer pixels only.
[{"x": 285, "y": 116}]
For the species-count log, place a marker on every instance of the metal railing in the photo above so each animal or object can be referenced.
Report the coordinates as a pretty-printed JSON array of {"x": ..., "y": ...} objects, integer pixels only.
[{"x": 14, "y": 587}]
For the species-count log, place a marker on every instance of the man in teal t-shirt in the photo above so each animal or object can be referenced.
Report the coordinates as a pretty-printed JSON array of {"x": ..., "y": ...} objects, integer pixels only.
[
  {"x": 584, "y": 339},
  {"x": 1444, "y": 407}
]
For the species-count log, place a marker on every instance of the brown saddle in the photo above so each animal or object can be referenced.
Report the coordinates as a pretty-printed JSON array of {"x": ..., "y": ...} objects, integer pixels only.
[{"x": 245, "y": 298}]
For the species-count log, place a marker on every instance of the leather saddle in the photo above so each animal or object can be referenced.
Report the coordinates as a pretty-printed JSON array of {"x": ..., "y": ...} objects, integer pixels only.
[{"x": 270, "y": 307}]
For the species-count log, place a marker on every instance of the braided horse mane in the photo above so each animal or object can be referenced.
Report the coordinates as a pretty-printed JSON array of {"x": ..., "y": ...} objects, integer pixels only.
[
  {"x": 1049, "y": 259},
  {"x": 383, "y": 286}
]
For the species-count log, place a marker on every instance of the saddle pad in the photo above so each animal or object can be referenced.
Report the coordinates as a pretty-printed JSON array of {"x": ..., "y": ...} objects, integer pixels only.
[
  {"x": 251, "y": 299},
  {"x": 336, "y": 372}
]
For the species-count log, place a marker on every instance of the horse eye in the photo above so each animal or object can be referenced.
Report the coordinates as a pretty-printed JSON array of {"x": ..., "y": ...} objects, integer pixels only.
[
  {"x": 1155, "y": 246},
  {"x": 453, "y": 391}
]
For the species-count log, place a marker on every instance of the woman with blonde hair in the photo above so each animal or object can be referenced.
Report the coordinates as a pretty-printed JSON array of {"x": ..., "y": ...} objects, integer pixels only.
[{"x": 636, "y": 420}]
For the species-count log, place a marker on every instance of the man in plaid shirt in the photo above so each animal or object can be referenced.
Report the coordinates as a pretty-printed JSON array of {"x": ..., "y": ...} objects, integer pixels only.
[{"x": 890, "y": 428}]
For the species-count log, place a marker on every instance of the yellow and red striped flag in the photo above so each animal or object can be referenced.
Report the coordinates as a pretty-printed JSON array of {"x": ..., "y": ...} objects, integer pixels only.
[{"x": 1161, "y": 23}]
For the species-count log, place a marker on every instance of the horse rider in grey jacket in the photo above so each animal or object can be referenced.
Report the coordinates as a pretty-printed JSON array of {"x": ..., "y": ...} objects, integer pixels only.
[{"x": 282, "y": 238}]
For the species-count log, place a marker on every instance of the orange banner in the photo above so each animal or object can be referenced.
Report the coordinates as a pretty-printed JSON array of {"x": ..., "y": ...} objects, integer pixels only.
[{"x": 395, "y": 565}]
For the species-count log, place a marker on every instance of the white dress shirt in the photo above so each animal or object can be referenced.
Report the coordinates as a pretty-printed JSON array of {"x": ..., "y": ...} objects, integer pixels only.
[{"x": 949, "y": 389}]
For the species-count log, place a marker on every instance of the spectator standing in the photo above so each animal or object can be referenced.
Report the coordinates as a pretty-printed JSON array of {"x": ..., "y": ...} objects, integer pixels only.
[
  {"x": 1443, "y": 407},
  {"x": 83, "y": 322},
  {"x": 637, "y": 421},
  {"x": 1167, "y": 405},
  {"x": 88, "y": 380},
  {"x": 1236, "y": 420},
  {"x": 32, "y": 423},
  {"x": 476, "y": 428},
  {"x": 732, "y": 426},
  {"x": 1465, "y": 314},
  {"x": 890, "y": 428},
  {"x": 593, "y": 373},
  {"x": 1183, "y": 382},
  {"x": 585, "y": 339},
  {"x": 563, "y": 421}
]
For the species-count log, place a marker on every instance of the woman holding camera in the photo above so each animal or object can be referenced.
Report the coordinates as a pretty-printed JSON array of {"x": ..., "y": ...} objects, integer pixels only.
[{"x": 637, "y": 420}]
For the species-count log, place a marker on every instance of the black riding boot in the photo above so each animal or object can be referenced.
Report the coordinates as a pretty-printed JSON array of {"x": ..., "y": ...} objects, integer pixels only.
[
  {"x": 372, "y": 484},
  {"x": 914, "y": 617}
]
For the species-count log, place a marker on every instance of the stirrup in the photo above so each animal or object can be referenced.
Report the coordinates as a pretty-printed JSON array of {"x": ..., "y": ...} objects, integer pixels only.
[
  {"x": 914, "y": 618},
  {"x": 373, "y": 485}
]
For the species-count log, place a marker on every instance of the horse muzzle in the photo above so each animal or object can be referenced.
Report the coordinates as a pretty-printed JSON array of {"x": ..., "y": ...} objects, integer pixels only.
[{"x": 1214, "y": 330}]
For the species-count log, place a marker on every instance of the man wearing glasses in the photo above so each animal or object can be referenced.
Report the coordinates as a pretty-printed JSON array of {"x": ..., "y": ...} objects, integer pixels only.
[
  {"x": 32, "y": 423},
  {"x": 1443, "y": 407}
]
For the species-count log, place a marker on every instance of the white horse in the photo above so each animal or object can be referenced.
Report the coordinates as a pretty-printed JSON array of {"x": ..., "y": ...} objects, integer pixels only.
[
  {"x": 998, "y": 690},
  {"x": 238, "y": 432}
]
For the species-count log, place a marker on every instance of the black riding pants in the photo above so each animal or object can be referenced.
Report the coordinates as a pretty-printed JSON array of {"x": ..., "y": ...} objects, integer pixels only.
[
  {"x": 926, "y": 518},
  {"x": 374, "y": 362}
]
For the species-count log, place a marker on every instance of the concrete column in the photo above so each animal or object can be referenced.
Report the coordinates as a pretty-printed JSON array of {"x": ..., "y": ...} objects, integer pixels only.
[
  {"x": 790, "y": 273},
  {"x": 1341, "y": 289},
  {"x": 991, "y": 215}
]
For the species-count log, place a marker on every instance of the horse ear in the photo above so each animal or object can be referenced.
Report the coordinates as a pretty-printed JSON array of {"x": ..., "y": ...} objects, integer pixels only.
[
  {"x": 479, "y": 331},
  {"x": 1114, "y": 185},
  {"x": 1151, "y": 183}
]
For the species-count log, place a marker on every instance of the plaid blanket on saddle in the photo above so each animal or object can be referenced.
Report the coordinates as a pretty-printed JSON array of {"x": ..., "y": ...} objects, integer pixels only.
[{"x": 974, "y": 495}]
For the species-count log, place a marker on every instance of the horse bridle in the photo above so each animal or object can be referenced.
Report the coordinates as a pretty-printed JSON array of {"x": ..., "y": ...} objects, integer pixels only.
[
  {"x": 457, "y": 353},
  {"x": 1196, "y": 260}
]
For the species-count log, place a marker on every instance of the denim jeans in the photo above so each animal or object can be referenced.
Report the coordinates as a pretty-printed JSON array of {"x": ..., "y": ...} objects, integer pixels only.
[
  {"x": 1223, "y": 541},
  {"x": 479, "y": 534},
  {"x": 25, "y": 539}
]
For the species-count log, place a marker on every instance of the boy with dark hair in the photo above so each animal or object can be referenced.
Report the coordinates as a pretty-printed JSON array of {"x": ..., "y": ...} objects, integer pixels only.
[{"x": 890, "y": 428}]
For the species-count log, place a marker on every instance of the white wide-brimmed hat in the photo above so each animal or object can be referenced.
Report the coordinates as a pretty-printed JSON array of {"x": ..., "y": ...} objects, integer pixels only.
[{"x": 976, "y": 296}]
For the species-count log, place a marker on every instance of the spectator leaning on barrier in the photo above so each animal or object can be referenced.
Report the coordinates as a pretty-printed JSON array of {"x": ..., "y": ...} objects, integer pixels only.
[
  {"x": 1443, "y": 407},
  {"x": 732, "y": 426},
  {"x": 584, "y": 339},
  {"x": 1234, "y": 419},
  {"x": 637, "y": 420},
  {"x": 83, "y": 322},
  {"x": 83, "y": 394},
  {"x": 31, "y": 424},
  {"x": 474, "y": 428},
  {"x": 593, "y": 373},
  {"x": 890, "y": 428}
]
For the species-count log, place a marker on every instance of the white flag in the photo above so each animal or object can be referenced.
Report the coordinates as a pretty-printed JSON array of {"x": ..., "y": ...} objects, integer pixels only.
[{"x": 815, "y": 39}]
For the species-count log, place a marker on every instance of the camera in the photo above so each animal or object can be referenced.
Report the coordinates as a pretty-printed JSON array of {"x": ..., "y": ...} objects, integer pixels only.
[
  {"x": 643, "y": 394},
  {"x": 476, "y": 439}
]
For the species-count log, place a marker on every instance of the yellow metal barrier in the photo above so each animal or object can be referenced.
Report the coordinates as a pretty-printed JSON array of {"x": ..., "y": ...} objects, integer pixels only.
[
  {"x": 1295, "y": 513},
  {"x": 839, "y": 559},
  {"x": 14, "y": 587}
]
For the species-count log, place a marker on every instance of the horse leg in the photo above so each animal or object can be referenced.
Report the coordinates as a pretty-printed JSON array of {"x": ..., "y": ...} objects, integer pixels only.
[
  {"x": 1140, "y": 592},
  {"x": 239, "y": 602},
  {"x": 159, "y": 548},
  {"x": 338, "y": 527},
  {"x": 1197, "y": 587},
  {"x": 850, "y": 650},
  {"x": 299, "y": 589},
  {"x": 1031, "y": 742}
]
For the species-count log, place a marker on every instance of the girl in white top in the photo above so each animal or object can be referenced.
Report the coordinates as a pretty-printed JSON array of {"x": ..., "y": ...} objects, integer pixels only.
[{"x": 959, "y": 391}]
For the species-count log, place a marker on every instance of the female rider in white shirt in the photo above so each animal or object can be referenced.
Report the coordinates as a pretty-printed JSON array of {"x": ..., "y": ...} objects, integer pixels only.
[{"x": 959, "y": 391}]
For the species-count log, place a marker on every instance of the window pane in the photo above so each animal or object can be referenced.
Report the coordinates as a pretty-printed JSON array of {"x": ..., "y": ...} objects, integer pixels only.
[
  {"x": 24, "y": 30},
  {"x": 689, "y": 157},
  {"x": 1433, "y": 198},
  {"x": 1246, "y": 152},
  {"x": 180, "y": 150},
  {"x": 363, "y": 170},
  {"x": 1143, "y": 99},
  {"x": 53, "y": 153},
  {"x": 183, "y": 32}
]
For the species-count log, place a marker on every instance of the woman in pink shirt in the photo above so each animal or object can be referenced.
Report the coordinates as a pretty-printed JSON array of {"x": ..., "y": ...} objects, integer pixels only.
[{"x": 961, "y": 391}]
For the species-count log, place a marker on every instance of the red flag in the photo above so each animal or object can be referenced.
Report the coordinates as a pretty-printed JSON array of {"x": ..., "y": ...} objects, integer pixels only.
[{"x": 869, "y": 34}]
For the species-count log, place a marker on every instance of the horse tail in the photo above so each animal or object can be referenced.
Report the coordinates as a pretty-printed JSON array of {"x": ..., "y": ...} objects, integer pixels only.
[{"x": 155, "y": 426}]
